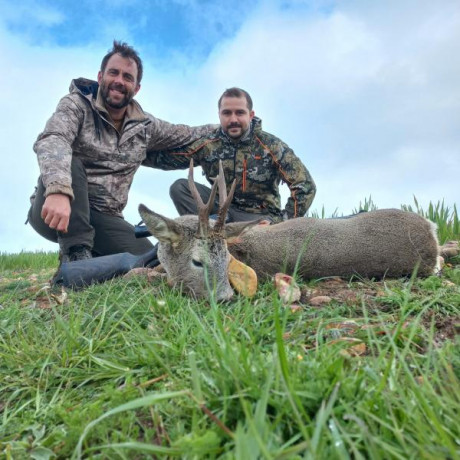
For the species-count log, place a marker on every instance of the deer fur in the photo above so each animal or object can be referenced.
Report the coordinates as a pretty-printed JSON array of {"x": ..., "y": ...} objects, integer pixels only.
[
  {"x": 195, "y": 251},
  {"x": 383, "y": 243}
]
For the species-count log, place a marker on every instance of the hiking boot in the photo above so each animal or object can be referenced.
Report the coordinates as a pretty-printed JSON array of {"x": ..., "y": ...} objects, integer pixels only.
[{"x": 77, "y": 252}]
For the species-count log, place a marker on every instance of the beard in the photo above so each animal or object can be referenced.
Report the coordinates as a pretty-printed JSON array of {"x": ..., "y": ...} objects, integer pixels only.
[
  {"x": 234, "y": 125},
  {"x": 127, "y": 98}
]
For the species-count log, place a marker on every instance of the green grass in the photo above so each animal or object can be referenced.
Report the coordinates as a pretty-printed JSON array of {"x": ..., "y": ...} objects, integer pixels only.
[
  {"x": 37, "y": 260},
  {"x": 132, "y": 370},
  {"x": 445, "y": 217}
]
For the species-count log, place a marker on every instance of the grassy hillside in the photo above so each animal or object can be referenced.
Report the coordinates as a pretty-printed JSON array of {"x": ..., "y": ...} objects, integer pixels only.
[{"x": 131, "y": 369}]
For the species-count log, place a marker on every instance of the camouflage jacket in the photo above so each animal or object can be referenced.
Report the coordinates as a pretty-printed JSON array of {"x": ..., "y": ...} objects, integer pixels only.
[
  {"x": 82, "y": 127},
  {"x": 258, "y": 162}
]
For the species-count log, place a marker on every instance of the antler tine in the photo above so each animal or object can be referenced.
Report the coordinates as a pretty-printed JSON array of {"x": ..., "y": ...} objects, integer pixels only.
[
  {"x": 222, "y": 185},
  {"x": 192, "y": 187},
  {"x": 224, "y": 199},
  {"x": 204, "y": 210}
]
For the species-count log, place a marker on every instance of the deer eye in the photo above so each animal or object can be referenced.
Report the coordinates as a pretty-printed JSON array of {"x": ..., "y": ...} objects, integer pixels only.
[{"x": 197, "y": 263}]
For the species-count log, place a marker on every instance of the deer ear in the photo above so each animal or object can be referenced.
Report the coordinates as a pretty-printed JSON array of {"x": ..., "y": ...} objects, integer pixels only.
[
  {"x": 235, "y": 229},
  {"x": 164, "y": 229}
]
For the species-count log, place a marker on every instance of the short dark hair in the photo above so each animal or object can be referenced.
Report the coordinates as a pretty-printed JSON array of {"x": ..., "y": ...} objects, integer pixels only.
[
  {"x": 236, "y": 92},
  {"x": 126, "y": 51}
]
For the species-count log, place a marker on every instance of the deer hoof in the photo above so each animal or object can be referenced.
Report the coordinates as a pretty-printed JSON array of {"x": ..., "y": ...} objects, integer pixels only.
[
  {"x": 287, "y": 288},
  {"x": 450, "y": 249}
]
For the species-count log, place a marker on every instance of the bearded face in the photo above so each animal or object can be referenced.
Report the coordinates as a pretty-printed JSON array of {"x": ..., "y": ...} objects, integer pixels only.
[
  {"x": 116, "y": 95},
  {"x": 118, "y": 82},
  {"x": 235, "y": 116}
]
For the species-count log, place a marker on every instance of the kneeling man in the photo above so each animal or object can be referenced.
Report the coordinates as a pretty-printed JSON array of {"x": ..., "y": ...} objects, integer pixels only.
[{"x": 257, "y": 160}]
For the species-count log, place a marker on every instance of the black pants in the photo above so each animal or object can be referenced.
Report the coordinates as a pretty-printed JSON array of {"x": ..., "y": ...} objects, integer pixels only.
[
  {"x": 102, "y": 233},
  {"x": 185, "y": 203}
]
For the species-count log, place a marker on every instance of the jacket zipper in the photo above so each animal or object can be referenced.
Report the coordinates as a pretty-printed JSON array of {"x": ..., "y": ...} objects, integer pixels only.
[{"x": 244, "y": 174}]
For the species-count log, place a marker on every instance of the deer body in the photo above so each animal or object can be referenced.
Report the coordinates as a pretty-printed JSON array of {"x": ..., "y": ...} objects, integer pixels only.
[
  {"x": 387, "y": 242},
  {"x": 194, "y": 250}
]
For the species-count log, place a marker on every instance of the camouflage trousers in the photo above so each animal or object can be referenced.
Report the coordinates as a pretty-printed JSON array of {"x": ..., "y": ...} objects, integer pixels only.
[
  {"x": 185, "y": 203},
  {"x": 102, "y": 233}
]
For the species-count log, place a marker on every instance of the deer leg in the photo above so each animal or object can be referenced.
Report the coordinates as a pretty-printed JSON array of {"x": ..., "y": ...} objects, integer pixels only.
[
  {"x": 449, "y": 249},
  {"x": 264, "y": 222}
]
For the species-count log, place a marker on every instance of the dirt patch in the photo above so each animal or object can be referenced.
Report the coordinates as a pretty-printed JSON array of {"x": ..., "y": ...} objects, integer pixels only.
[
  {"x": 379, "y": 297},
  {"x": 348, "y": 293},
  {"x": 445, "y": 327}
]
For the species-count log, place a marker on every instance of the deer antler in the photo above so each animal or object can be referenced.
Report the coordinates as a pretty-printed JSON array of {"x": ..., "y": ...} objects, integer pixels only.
[
  {"x": 224, "y": 199},
  {"x": 203, "y": 209}
]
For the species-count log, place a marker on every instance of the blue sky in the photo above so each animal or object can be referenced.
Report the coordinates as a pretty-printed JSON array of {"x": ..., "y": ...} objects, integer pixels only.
[
  {"x": 366, "y": 93},
  {"x": 158, "y": 27}
]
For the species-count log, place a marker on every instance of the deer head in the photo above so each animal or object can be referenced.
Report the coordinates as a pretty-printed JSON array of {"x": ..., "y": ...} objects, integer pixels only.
[{"x": 193, "y": 249}]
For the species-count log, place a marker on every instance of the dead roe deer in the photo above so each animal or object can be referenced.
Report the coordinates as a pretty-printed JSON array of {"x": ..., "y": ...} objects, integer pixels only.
[{"x": 195, "y": 251}]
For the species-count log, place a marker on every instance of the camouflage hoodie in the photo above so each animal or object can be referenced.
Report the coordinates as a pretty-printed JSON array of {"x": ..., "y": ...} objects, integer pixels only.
[
  {"x": 258, "y": 161},
  {"x": 81, "y": 126}
]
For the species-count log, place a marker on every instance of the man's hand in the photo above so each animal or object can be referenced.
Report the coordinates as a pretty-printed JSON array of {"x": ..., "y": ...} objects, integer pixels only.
[{"x": 56, "y": 211}]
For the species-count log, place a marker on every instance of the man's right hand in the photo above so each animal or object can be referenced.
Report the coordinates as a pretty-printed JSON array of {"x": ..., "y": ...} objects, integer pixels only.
[{"x": 56, "y": 211}]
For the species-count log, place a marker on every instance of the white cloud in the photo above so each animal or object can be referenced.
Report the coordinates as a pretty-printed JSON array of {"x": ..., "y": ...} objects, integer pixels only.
[
  {"x": 352, "y": 90},
  {"x": 367, "y": 94},
  {"x": 27, "y": 10}
]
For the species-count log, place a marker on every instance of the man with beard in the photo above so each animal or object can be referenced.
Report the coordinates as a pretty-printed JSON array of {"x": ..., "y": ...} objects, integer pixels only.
[
  {"x": 88, "y": 153},
  {"x": 257, "y": 160}
]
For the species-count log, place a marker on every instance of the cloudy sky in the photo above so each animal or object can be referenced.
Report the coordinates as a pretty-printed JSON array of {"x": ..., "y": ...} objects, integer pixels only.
[{"x": 367, "y": 93}]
